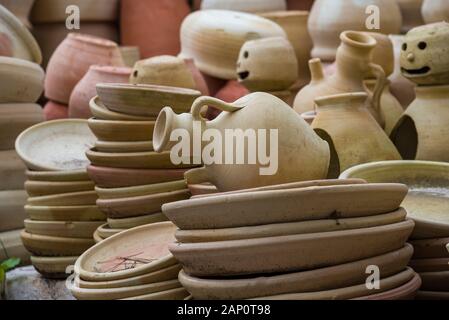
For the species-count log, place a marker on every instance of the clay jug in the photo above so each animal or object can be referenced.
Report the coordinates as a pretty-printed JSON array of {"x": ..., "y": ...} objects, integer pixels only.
[
  {"x": 423, "y": 131},
  {"x": 353, "y": 135},
  {"x": 353, "y": 65},
  {"x": 55, "y": 111},
  {"x": 411, "y": 14},
  {"x": 152, "y": 25},
  {"x": 252, "y": 6},
  {"x": 328, "y": 18},
  {"x": 72, "y": 59},
  {"x": 85, "y": 90},
  {"x": 302, "y": 155},
  {"x": 435, "y": 11}
]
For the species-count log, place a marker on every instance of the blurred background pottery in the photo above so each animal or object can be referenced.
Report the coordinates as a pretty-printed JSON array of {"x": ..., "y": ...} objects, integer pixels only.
[
  {"x": 435, "y": 11},
  {"x": 198, "y": 77},
  {"x": 12, "y": 170},
  {"x": 130, "y": 55},
  {"x": 55, "y": 111},
  {"x": 299, "y": 4},
  {"x": 21, "y": 9},
  {"x": 411, "y": 14},
  {"x": 254, "y": 6}
]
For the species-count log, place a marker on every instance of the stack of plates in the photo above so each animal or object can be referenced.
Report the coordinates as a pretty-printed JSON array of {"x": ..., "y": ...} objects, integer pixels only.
[
  {"x": 61, "y": 206},
  {"x": 308, "y": 240},
  {"x": 133, "y": 265},
  {"x": 427, "y": 204},
  {"x": 133, "y": 181}
]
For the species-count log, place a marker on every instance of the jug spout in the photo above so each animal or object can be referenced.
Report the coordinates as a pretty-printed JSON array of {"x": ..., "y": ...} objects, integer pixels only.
[{"x": 316, "y": 70}]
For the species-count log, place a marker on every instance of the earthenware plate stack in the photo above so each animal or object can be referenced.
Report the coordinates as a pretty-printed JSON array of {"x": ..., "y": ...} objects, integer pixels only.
[
  {"x": 61, "y": 208},
  {"x": 427, "y": 204},
  {"x": 305, "y": 240},
  {"x": 133, "y": 265},
  {"x": 133, "y": 181}
]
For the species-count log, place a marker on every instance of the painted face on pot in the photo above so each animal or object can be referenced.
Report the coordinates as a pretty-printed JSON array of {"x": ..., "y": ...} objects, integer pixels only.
[
  {"x": 425, "y": 54},
  {"x": 267, "y": 64}
]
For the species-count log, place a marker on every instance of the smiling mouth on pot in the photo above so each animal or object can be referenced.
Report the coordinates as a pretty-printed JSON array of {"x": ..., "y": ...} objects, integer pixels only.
[
  {"x": 415, "y": 72},
  {"x": 243, "y": 75}
]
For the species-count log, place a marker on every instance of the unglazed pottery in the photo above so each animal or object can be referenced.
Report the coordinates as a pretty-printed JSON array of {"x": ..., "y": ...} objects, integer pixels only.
[
  {"x": 427, "y": 200},
  {"x": 110, "y": 130},
  {"x": 254, "y": 111},
  {"x": 245, "y": 6},
  {"x": 202, "y": 189},
  {"x": 279, "y": 254},
  {"x": 422, "y": 132},
  {"x": 58, "y": 176},
  {"x": 69, "y": 229},
  {"x": 105, "y": 231},
  {"x": 45, "y": 188},
  {"x": 130, "y": 55},
  {"x": 99, "y": 111},
  {"x": 85, "y": 90},
  {"x": 328, "y": 18},
  {"x": 213, "y": 38},
  {"x": 407, "y": 291},
  {"x": 173, "y": 294},
  {"x": 14, "y": 118},
  {"x": 435, "y": 11},
  {"x": 383, "y": 53},
  {"x": 12, "y": 171},
  {"x": 430, "y": 265},
  {"x": 56, "y": 145},
  {"x": 55, "y": 111},
  {"x": 83, "y": 198},
  {"x": 65, "y": 213},
  {"x": 12, "y": 213},
  {"x": 136, "y": 191},
  {"x": 430, "y": 248},
  {"x": 53, "y": 267},
  {"x": 124, "y": 146},
  {"x": 435, "y": 281},
  {"x": 105, "y": 261},
  {"x": 432, "y": 295},
  {"x": 13, "y": 246},
  {"x": 22, "y": 44},
  {"x": 72, "y": 59},
  {"x": 128, "y": 223},
  {"x": 339, "y": 276},
  {"x": 25, "y": 81},
  {"x": 420, "y": 46},
  {"x": 259, "y": 63},
  {"x": 145, "y": 100},
  {"x": 198, "y": 77},
  {"x": 291, "y": 205},
  {"x": 353, "y": 134},
  {"x": 411, "y": 14},
  {"x": 21, "y": 9},
  {"x": 230, "y": 92}
]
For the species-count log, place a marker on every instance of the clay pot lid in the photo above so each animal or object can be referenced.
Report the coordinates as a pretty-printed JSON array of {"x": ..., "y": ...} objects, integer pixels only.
[
  {"x": 358, "y": 39},
  {"x": 111, "y": 69},
  {"x": 93, "y": 40},
  {"x": 342, "y": 99}
]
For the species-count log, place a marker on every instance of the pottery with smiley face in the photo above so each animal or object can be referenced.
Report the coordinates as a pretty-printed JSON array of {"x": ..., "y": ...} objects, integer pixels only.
[{"x": 424, "y": 58}]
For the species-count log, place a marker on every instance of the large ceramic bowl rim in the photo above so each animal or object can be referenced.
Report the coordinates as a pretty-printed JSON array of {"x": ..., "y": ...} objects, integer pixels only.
[
  {"x": 149, "y": 88},
  {"x": 95, "y": 104},
  {"x": 62, "y": 176},
  {"x": 358, "y": 39}
]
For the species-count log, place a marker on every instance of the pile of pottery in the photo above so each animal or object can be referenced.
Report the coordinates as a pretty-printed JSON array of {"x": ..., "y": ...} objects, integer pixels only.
[
  {"x": 426, "y": 203},
  {"x": 133, "y": 265},
  {"x": 133, "y": 181},
  {"x": 61, "y": 209}
]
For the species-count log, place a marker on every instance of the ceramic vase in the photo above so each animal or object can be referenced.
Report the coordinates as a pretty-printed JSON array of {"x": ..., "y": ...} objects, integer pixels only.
[
  {"x": 302, "y": 155},
  {"x": 411, "y": 14},
  {"x": 353, "y": 65},
  {"x": 423, "y": 132},
  {"x": 55, "y": 111},
  {"x": 328, "y": 18},
  {"x": 353, "y": 135},
  {"x": 213, "y": 38},
  {"x": 158, "y": 20},
  {"x": 86, "y": 89},
  {"x": 435, "y": 11},
  {"x": 72, "y": 59},
  {"x": 253, "y": 6},
  {"x": 21, "y": 9},
  {"x": 130, "y": 55}
]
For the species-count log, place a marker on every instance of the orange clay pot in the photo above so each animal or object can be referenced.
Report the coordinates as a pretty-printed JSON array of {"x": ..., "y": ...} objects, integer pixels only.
[
  {"x": 55, "y": 111},
  {"x": 231, "y": 92}
]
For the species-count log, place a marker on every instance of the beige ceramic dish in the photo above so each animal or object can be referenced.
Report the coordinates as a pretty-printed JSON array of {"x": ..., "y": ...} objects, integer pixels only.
[
  {"x": 124, "y": 147},
  {"x": 84, "y": 198},
  {"x": 280, "y": 206},
  {"x": 407, "y": 291},
  {"x": 430, "y": 265},
  {"x": 145, "y": 242},
  {"x": 58, "y": 176},
  {"x": 115, "y": 130},
  {"x": 145, "y": 100},
  {"x": 430, "y": 248},
  {"x": 53, "y": 267},
  {"x": 128, "y": 223},
  {"x": 97, "y": 237},
  {"x": 43, "y": 188},
  {"x": 69, "y": 229},
  {"x": 104, "y": 231},
  {"x": 140, "y": 205},
  {"x": 339, "y": 276},
  {"x": 146, "y": 190},
  {"x": 202, "y": 189},
  {"x": 54, "y": 246},
  {"x": 99, "y": 111},
  {"x": 284, "y": 229},
  {"x": 428, "y": 199},
  {"x": 65, "y": 213},
  {"x": 280, "y": 254},
  {"x": 56, "y": 145},
  {"x": 174, "y": 294}
]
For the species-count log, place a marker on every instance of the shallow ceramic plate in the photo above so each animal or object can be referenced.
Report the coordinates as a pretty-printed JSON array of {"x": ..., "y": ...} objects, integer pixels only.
[
  {"x": 53, "y": 267},
  {"x": 56, "y": 145},
  {"x": 202, "y": 189},
  {"x": 83, "y": 198},
  {"x": 115, "y": 130},
  {"x": 122, "y": 147},
  {"x": 430, "y": 265},
  {"x": 65, "y": 213},
  {"x": 58, "y": 176},
  {"x": 128, "y": 223},
  {"x": 432, "y": 295},
  {"x": 290, "y": 205},
  {"x": 69, "y": 229},
  {"x": 44, "y": 188},
  {"x": 430, "y": 248},
  {"x": 104, "y": 231},
  {"x": 145, "y": 100},
  {"x": 280, "y": 254},
  {"x": 428, "y": 199},
  {"x": 339, "y": 276},
  {"x": 97, "y": 237},
  {"x": 435, "y": 281},
  {"x": 405, "y": 292},
  {"x": 174, "y": 294},
  {"x": 101, "y": 112},
  {"x": 128, "y": 254},
  {"x": 146, "y": 190}
]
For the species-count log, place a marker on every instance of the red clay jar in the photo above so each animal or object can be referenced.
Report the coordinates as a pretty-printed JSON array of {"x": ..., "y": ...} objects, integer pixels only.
[
  {"x": 55, "y": 111},
  {"x": 153, "y": 25},
  {"x": 198, "y": 77},
  {"x": 232, "y": 91},
  {"x": 72, "y": 59},
  {"x": 299, "y": 4},
  {"x": 86, "y": 89}
]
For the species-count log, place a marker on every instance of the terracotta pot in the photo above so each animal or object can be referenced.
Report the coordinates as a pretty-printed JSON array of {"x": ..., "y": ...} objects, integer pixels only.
[
  {"x": 137, "y": 191},
  {"x": 299, "y": 4},
  {"x": 435, "y": 281},
  {"x": 100, "y": 111},
  {"x": 110, "y": 130},
  {"x": 213, "y": 84},
  {"x": 86, "y": 89},
  {"x": 12, "y": 171},
  {"x": 159, "y": 21},
  {"x": 422, "y": 131},
  {"x": 14, "y": 118},
  {"x": 260, "y": 61},
  {"x": 55, "y": 111},
  {"x": 343, "y": 275},
  {"x": 124, "y": 147},
  {"x": 430, "y": 248},
  {"x": 430, "y": 265},
  {"x": 69, "y": 229},
  {"x": 82, "y": 198},
  {"x": 214, "y": 38},
  {"x": 354, "y": 64},
  {"x": 200, "y": 81},
  {"x": 130, "y": 55},
  {"x": 251, "y": 208},
  {"x": 411, "y": 14},
  {"x": 129, "y": 223},
  {"x": 21, "y": 9},
  {"x": 13, "y": 247},
  {"x": 72, "y": 59},
  {"x": 12, "y": 213},
  {"x": 435, "y": 11},
  {"x": 247, "y": 113},
  {"x": 43, "y": 188},
  {"x": 65, "y": 213},
  {"x": 245, "y": 6},
  {"x": 328, "y": 18},
  {"x": 53, "y": 267},
  {"x": 294, "y": 24},
  {"x": 58, "y": 176}
]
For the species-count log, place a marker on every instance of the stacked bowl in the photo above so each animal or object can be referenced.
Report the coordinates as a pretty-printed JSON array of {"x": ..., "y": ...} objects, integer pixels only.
[
  {"x": 306, "y": 240},
  {"x": 133, "y": 181},
  {"x": 133, "y": 265},
  {"x": 61, "y": 209}
]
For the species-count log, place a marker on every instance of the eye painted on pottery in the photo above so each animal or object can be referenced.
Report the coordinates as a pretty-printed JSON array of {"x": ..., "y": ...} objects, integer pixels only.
[
  {"x": 246, "y": 54},
  {"x": 135, "y": 74},
  {"x": 404, "y": 47},
  {"x": 422, "y": 45}
]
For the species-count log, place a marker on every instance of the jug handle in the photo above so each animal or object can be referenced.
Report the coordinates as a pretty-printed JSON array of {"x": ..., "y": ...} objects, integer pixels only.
[
  {"x": 199, "y": 103},
  {"x": 197, "y": 176},
  {"x": 381, "y": 81}
]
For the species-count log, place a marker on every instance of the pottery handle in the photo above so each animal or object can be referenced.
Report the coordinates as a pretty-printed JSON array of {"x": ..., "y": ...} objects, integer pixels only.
[
  {"x": 200, "y": 102},
  {"x": 196, "y": 176},
  {"x": 381, "y": 81}
]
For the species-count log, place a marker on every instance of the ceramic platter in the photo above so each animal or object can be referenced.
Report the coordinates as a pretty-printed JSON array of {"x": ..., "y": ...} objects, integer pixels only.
[
  {"x": 70, "y": 229},
  {"x": 56, "y": 145},
  {"x": 65, "y": 213},
  {"x": 58, "y": 176},
  {"x": 128, "y": 223},
  {"x": 115, "y": 193},
  {"x": 99, "y": 111},
  {"x": 407, "y": 291},
  {"x": 122, "y": 147},
  {"x": 115, "y": 130},
  {"x": 428, "y": 199}
]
